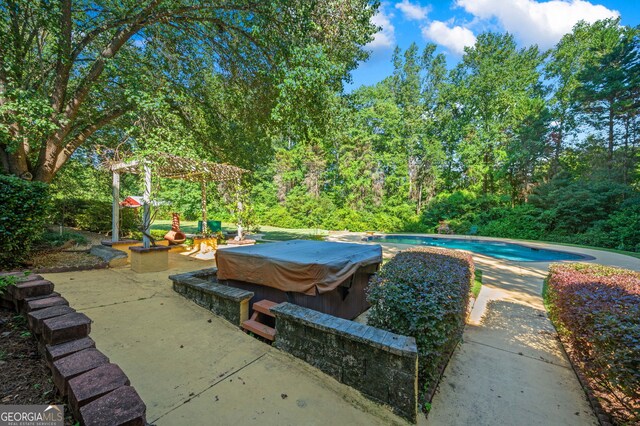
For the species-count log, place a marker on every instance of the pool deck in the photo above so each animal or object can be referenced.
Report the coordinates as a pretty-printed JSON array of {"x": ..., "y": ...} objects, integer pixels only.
[
  {"x": 510, "y": 368},
  {"x": 193, "y": 368}
]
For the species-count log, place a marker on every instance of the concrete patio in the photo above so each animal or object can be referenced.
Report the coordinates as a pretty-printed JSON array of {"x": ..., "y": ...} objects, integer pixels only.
[{"x": 191, "y": 367}]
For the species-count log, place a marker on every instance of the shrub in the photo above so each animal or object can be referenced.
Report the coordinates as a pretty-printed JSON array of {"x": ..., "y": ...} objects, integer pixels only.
[
  {"x": 597, "y": 309},
  {"x": 423, "y": 292},
  {"x": 92, "y": 215},
  {"x": 24, "y": 209},
  {"x": 56, "y": 239}
]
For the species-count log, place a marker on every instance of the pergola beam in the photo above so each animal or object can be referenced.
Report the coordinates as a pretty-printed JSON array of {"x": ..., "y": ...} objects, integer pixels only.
[{"x": 167, "y": 166}]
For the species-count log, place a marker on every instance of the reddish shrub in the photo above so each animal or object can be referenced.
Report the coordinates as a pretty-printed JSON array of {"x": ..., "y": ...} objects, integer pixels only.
[{"x": 597, "y": 308}]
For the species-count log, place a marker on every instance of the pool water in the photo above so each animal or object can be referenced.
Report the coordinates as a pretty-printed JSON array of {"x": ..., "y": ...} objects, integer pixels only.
[{"x": 497, "y": 249}]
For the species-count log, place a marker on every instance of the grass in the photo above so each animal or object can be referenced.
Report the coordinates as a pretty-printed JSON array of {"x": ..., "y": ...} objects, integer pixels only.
[
  {"x": 628, "y": 253},
  {"x": 270, "y": 233},
  {"x": 477, "y": 284}
]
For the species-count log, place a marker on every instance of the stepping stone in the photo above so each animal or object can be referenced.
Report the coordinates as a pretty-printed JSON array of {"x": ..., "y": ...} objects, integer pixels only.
[
  {"x": 93, "y": 384},
  {"x": 65, "y": 328},
  {"x": 35, "y": 318},
  {"x": 47, "y": 302},
  {"x": 55, "y": 352},
  {"x": 123, "y": 406},
  {"x": 75, "y": 364},
  {"x": 22, "y": 290}
]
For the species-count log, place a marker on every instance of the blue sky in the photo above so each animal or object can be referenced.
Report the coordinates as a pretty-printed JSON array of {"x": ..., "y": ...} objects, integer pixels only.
[{"x": 453, "y": 24}]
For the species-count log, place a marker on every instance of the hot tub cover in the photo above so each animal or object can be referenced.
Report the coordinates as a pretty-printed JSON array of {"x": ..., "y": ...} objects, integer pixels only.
[{"x": 310, "y": 267}]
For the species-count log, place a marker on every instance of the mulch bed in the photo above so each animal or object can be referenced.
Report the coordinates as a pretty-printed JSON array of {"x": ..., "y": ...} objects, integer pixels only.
[{"x": 26, "y": 379}]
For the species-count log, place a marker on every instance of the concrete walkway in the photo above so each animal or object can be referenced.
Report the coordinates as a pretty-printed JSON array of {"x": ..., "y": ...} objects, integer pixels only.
[
  {"x": 193, "y": 368},
  {"x": 510, "y": 368}
]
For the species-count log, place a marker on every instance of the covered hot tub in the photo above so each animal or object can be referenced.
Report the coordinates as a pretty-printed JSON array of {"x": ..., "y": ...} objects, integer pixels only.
[{"x": 325, "y": 276}]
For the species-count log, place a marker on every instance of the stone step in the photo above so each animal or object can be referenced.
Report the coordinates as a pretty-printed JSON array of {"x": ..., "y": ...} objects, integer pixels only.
[{"x": 260, "y": 329}]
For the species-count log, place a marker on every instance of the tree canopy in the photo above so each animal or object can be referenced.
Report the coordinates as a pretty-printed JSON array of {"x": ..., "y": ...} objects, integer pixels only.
[{"x": 150, "y": 71}]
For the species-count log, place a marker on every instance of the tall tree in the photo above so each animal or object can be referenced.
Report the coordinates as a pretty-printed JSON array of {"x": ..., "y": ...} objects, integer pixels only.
[
  {"x": 69, "y": 68},
  {"x": 609, "y": 84},
  {"x": 498, "y": 86}
]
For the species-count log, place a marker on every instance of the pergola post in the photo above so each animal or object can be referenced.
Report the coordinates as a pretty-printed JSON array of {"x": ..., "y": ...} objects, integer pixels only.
[
  {"x": 240, "y": 208},
  {"x": 146, "y": 213},
  {"x": 115, "y": 208},
  {"x": 203, "y": 204}
]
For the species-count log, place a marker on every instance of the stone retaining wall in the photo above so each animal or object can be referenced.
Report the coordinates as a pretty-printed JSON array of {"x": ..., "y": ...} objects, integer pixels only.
[
  {"x": 228, "y": 302},
  {"x": 98, "y": 391},
  {"x": 381, "y": 365}
]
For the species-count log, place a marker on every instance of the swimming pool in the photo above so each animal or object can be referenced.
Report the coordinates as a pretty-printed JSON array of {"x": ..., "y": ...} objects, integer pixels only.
[{"x": 497, "y": 249}]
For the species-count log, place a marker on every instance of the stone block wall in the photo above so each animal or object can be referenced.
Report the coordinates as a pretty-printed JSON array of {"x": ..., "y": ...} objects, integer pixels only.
[
  {"x": 228, "y": 302},
  {"x": 381, "y": 365},
  {"x": 98, "y": 391}
]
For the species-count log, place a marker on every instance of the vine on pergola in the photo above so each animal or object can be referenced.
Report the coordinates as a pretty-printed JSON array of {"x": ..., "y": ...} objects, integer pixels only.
[{"x": 168, "y": 166}]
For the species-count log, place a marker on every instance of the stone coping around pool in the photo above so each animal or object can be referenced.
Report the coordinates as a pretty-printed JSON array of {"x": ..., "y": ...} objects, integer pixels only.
[
  {"x": 228, "y": 302},
  {"x": 65, "y": 345},
  {"x": 382, "y": 365}
]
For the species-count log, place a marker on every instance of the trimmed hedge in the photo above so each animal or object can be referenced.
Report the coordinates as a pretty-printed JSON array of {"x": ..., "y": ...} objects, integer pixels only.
[
  {"x": 597, "y": 310},
  {"x": 24, "y": 208},
  {"x": 424, "y": 292}
]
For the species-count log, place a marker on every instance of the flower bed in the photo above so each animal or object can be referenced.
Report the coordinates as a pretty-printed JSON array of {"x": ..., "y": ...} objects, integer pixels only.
[
  {"x": 597, "y": 312},
  {"x": 424, "y": 292}
]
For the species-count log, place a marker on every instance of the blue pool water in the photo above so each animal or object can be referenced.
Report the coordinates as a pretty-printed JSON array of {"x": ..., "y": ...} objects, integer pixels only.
[{"x": 498, "y": 249}]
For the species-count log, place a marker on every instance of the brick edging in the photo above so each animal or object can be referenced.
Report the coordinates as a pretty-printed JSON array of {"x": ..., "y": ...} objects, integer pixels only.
[{"x": 95, "y": 388}]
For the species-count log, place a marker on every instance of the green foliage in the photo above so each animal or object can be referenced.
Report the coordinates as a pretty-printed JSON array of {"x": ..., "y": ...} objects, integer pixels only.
[
  {"x": 597, "y": 308},
  {"x": 24, "y": 209},
  {"x": 424, "y": 293},
  {"x": 56, "y": 238},
  {"x": 92, "y": 215}
]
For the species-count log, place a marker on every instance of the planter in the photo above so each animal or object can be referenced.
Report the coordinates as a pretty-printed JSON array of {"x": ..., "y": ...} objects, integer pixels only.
[{"x": 152, "y": 259}]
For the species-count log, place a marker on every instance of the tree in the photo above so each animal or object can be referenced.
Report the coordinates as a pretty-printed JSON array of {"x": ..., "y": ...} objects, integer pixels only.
[
  {"x": 498, "y": 88},
  {"x": 609, "y": 84},
  {"x": 71, "y": 68}
]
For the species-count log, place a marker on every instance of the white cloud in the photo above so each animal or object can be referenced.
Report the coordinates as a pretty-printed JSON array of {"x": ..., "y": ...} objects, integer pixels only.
[
  {"x": 385, "y": 38},
  {"x": 454, "y": 38},
  {"x": 412, "y": 12},
  {"x": 532, "y": 21}
]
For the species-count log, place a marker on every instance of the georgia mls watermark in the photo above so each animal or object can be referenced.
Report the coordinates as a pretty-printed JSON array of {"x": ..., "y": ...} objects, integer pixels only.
[{"x": 31, "y": 415}]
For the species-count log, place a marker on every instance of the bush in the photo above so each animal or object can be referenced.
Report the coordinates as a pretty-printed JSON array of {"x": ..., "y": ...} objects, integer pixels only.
[
  {"x": 92, "y": 215},
  {"x": 597, "y": 309},
  {"x": 50, "y": 239},
  {"x": 423, "y": 292},
  {"x": 24, "y": 209}
]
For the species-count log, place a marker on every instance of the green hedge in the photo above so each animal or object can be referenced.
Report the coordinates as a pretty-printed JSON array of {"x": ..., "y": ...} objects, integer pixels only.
[
  {"x": 424, "y": 292},
  {"x": 24, "y": 210}
]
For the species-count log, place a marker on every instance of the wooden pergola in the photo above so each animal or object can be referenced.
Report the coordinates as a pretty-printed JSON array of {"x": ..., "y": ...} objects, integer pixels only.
[{"x": 172, "y": 167}]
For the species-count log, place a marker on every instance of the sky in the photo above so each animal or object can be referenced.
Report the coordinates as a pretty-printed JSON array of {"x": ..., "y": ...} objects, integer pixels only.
[{"x": 454, "y": 24}]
